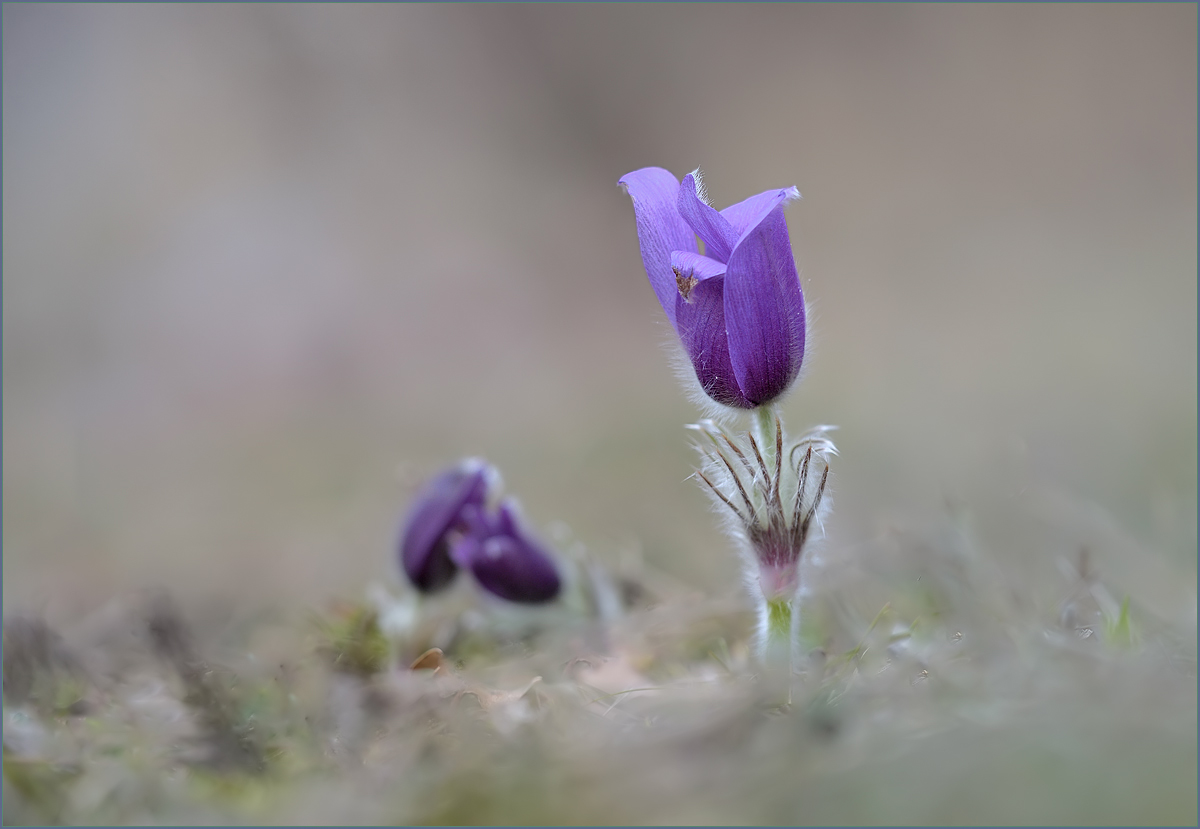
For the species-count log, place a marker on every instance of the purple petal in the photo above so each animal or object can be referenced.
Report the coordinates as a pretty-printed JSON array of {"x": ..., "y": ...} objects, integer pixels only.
[
  {"x": 764, "y": 310},
  {"x": 505, "y": 521},
  {"x": 436, "y": 567},
  {"x": 749, "y": 213},
  {"x": 512, "y": 565},
  {"x": 655, "y": 194},
  {"x": 437, "y": 509},
  {"x": 465, "y": 549},
  {"x": 718, "y": 235},
  {"x": 700, "y": 321}
]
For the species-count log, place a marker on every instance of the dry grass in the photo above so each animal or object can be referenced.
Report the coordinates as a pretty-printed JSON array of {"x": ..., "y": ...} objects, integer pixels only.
[{"x": 952, "y": 701}]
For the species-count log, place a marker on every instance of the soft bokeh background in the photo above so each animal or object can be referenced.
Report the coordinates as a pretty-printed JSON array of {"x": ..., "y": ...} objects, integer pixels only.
[{"x": 267, "y": 266}]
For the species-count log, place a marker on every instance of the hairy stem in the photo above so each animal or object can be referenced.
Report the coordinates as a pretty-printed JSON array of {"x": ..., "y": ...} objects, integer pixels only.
[
  {"x": 776, "y": 632},
  {"x": 765, "y": 433}
]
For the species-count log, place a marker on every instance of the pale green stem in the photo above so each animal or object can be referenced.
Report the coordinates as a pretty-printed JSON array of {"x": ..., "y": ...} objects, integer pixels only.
[
  {"x": 764, "y": 432},
  {"x": 777, "y": 636},
  {"x": 776, "y": 646}
]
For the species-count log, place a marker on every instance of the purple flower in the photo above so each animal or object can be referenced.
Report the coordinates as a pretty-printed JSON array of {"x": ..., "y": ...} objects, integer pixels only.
[
  {"x": 435, "y": 520},
  {"x": 505, "y": 559},
  {"x": 737, "y": 308},
  {"x": 449, "y": 526}
]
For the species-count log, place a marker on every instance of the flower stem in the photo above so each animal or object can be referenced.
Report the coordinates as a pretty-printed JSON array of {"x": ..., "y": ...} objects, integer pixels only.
[
  {"x": 764, "y": 432},
  {"x": 775, "y": 645}
]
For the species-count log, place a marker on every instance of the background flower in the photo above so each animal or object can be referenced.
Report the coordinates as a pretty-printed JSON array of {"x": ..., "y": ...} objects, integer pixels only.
[
  {"x": 505, "y": 559},
  {"x": 450, "y": 526},
  {"x": 436, "y": 518}
]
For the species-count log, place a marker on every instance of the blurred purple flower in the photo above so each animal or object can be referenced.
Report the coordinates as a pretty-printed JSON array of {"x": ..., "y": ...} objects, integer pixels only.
[
  {"x": 448, "y": 526},
  {"x": 435, "y": 519},
  {"x": 737, "y": 308},
  {"x": 505, "y": 559}
]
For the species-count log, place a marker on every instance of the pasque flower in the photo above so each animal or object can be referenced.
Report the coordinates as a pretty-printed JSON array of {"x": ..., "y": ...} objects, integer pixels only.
[
  {"x": 504, "y": 558},
  {"x": 435, "y": 520},
  {"x": 449, "y": 526},
  {"x": 737, "y": 307}
]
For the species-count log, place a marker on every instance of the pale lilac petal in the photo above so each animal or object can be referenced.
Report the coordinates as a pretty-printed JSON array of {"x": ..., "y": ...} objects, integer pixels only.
[
  {"x": 747, "y": 214},
  {"x": 661, "y": 230},
  {"x": 700, "y": 321},
  {"x": 436, "y": 510},
  {"x": 718, "y": 235},
  {"x": 764, "y": 310}
]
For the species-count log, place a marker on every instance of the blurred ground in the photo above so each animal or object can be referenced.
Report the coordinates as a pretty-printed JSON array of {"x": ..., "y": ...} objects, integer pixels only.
[{"x": 267, "y": 266}]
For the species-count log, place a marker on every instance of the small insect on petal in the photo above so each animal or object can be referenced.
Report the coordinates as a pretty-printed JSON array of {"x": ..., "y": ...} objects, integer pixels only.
[{"x": 685, "y": 284}]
